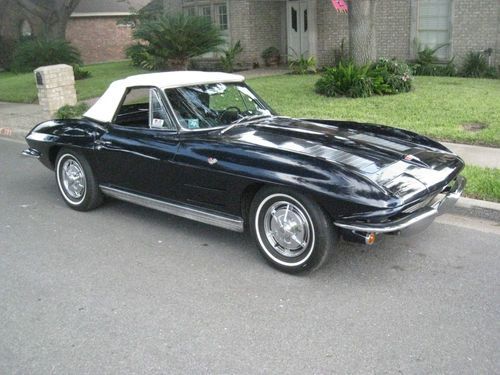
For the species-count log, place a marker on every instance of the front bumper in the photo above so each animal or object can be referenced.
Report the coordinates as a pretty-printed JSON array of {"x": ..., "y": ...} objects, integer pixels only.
[
  {"x": 414, "y": 222},
  {"x": 31, "y": 153}
]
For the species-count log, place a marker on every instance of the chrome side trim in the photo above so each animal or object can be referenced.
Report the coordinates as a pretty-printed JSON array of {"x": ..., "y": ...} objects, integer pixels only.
[
  {"x": 31, "y": 153},
  {"x": 197, "y": 214}
]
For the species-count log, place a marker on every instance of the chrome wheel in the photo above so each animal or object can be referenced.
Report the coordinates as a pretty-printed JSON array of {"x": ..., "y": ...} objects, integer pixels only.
[
  {"x": 73, "y": 179},
  {"x": 287, "y": 229}
]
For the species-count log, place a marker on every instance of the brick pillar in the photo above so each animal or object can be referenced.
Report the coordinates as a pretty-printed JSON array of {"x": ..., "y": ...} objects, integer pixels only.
[{"x": 56, "y": 87}]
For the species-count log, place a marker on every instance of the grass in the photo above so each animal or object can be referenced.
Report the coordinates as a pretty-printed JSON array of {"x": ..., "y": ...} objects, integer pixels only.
[
  {"x": 482, "y": 183},
  {"x": 437, "y": 107},
  {"x": 21, "y": 88}
]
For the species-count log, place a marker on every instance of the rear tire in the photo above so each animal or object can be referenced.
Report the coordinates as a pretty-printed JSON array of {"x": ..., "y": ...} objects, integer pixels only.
[
  {"x": 76, "y": 181},
  {"x": 291, "y": 230}
]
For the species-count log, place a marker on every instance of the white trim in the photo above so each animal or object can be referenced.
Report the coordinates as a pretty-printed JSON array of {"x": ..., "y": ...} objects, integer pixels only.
[
  {"x": 61, "y": 188},
  {"x": 104, "y": 109},
  {"x": 99, "y": 14}
]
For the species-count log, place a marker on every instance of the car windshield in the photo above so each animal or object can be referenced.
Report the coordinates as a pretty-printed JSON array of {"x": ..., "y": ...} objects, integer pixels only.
[{"x": 215, "y": 105}]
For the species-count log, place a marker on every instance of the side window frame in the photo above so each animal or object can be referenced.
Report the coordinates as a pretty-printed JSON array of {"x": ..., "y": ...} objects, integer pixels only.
[{"x": 158, "y": 93}]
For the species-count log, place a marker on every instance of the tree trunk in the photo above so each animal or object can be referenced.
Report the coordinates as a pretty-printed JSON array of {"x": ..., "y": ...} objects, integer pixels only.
[
  {"x": 54, "y": 14},
  {"x": 362, "y": 38},
  {"x": 57, "y": 30}
]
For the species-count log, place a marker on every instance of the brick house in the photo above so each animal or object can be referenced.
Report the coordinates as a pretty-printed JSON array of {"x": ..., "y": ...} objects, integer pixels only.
[
  {"x": 313, "y": 27},
  {"x": 94, "y": 28}
]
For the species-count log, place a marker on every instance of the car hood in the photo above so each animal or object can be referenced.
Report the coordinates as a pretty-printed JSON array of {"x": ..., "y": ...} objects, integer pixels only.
[{"x": 399, "y": 166}]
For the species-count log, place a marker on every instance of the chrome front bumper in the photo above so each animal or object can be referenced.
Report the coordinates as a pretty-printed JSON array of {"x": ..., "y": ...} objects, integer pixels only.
[
  {"x": 31, "y": 153},
  {"x": 416, "y": 221}
]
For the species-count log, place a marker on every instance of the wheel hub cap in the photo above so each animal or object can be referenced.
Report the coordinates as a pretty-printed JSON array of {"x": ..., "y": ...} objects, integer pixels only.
[
  {"x": 73, "y": 179},
  {"x": 287, "y": 229}
]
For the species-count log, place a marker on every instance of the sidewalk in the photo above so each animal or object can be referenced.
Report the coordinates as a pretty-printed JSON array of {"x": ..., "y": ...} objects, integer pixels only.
[{"x": 16, "y": 120}]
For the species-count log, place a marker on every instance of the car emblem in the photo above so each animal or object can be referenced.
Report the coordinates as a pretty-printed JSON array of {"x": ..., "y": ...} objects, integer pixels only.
[
  {"x": 212, "y": 161},
  {"x": 409, "y": 157}
]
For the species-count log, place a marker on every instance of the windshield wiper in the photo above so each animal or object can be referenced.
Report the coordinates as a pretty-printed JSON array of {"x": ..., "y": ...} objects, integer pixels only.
[{"x": 243, "y": 121}]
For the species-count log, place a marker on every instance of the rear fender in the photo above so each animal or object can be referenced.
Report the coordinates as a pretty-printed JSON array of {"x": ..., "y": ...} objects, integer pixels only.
[{"x": 50, "y": 136}]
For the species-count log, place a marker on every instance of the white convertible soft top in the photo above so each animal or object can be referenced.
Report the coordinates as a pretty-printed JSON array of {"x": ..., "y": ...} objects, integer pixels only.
[{"x": 105, "y": 108}]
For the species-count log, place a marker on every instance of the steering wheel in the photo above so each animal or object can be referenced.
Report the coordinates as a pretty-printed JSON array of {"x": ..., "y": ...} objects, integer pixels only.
[{"x": 227, "y": 110}]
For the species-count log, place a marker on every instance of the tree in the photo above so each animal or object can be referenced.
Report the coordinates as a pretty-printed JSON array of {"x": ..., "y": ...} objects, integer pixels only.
[
  {"x": 53, "y": 13},
  {"x": 362, "y": 38},
  {"x": 171, "y": 40}
]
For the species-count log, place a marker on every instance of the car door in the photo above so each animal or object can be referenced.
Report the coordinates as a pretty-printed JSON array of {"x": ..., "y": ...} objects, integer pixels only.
[{"x": 136, "y": 152}]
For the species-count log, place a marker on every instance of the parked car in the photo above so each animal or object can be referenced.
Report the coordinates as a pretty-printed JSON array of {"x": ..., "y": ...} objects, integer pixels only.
[{"x": 206, "y": 147}]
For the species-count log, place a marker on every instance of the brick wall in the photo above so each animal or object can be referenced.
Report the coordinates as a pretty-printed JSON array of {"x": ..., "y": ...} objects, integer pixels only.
[
  {"x": 271, "y": 30},
  {"x": 99, "y": 38},
  {"x": 259, "y": 24},
  {"x": 393, "y": 27},
  {"x": 332, "y": 29},
  {"x": 475, "y": 26}
]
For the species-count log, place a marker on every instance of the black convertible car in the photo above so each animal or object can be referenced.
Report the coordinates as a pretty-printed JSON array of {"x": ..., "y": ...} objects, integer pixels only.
[{"x": 204, "y": 146}]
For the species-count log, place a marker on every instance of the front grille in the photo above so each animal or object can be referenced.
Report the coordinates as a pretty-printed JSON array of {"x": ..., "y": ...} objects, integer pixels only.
[
  {"x": 426, "y": 202},
  {"x": 429, "y": 201}
]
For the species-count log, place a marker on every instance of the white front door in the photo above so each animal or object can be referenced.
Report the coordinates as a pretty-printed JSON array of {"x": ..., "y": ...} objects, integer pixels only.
[{"x": 298, "y": 28}]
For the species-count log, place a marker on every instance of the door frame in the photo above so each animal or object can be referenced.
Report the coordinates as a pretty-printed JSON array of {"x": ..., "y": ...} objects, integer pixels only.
[{"x": 311, "y": 27}]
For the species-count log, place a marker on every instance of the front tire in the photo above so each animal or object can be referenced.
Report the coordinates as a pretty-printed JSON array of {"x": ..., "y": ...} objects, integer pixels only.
[
  {"x": 76, "y": 181},
  {"x": 292, "y": 231}
]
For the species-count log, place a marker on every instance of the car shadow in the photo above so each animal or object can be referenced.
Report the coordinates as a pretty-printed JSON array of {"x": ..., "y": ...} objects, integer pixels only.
[{"x": 347, "y": 258}]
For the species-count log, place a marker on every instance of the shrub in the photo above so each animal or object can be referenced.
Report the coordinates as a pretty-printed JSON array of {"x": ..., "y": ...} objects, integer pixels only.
[
  {"x": 7, "y": 47},
  {"x": 396, "y": 76},
  {"x": 383, "y": 77},
  {"x": 346, "y": 80},
  {"x": 340, "y": 55},
  {"x": 140, "y": 57},
  {"x": 71, "y": 111},
  {"x": 476, "y": 66},
  {"x": 229, "y": 58},
  {"x": 271, "y": 56},
  {"x": 80, "y": 73},
  {"x": 171, "y": 40},
  {"x": 30, "y": 54},
  {"x": 302, "y": 65},
  {"x": 427, "y": 64}
]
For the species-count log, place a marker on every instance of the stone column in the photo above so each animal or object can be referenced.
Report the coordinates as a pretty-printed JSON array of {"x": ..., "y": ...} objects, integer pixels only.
[{"x": 56, "y": 87}]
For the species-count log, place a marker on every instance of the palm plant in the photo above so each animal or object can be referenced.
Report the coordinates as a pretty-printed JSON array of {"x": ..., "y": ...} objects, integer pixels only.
[{"x": 171, "y": 40}]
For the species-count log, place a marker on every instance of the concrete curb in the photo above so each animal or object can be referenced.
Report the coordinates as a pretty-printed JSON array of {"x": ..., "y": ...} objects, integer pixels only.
[
  {"x": 477, "y": 208},
  {"x": 12, "y": 133}
]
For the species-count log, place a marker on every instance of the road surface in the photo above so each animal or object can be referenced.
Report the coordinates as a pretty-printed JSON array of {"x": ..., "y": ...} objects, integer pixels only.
[{"x": 124, "y": 289}]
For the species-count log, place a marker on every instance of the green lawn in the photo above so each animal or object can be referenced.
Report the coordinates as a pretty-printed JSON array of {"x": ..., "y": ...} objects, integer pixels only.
[
  {"x": 437, "y": 107},
  {"x": 482, "y": 183},
  {"x": 21, "y": 88}
]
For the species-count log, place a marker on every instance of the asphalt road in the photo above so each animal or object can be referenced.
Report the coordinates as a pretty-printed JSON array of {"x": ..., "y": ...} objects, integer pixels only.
[{"x": 124, "y": 289}]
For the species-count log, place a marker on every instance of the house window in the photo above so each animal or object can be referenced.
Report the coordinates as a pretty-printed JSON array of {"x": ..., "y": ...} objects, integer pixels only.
[
  {"x": 434, "y": 26},
  {"x": 206, "y": 11},
  {"x": 216, "y": 11},
  {"x": 26, "y": 30},
  {"x": 190, "y": 11},
  {"x": 222, "y": 18}
]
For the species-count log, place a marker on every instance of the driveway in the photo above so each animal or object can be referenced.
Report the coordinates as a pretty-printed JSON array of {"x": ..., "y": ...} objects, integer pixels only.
[{"x": 124, "y": 289}]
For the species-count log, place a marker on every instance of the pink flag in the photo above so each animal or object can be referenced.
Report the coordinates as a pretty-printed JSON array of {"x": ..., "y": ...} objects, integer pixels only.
[{"x": 340, "y": 5}]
